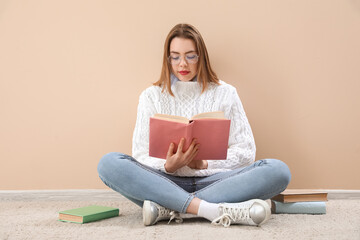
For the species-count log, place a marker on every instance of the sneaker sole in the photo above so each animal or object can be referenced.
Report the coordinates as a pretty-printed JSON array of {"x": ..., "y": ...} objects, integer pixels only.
[{"x": 147, "y": 213}]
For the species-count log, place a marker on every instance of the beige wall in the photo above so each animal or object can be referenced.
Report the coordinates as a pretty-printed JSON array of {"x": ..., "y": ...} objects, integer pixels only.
[{"x": 71, "y": 73}]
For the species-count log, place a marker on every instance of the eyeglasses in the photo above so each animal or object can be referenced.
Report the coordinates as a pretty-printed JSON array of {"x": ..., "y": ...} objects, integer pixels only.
[{"x": 189, "y": 58}]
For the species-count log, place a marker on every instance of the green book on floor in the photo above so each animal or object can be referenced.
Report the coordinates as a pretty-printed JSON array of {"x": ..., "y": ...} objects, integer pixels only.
[{"x": 88, "y": 214}]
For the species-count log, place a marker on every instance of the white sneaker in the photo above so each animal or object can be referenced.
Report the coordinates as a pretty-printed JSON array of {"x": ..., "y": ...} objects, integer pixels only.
[
  {"x": 252, "y": 212},
  {"x": 153, "y": 212}
]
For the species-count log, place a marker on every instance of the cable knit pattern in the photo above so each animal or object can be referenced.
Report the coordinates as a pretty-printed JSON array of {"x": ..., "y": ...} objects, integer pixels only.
[{"x": 189, "y": 101}]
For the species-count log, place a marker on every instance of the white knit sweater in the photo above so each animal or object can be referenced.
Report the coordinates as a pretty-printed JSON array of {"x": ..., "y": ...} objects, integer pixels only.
[{"x": 189, "y": 101}]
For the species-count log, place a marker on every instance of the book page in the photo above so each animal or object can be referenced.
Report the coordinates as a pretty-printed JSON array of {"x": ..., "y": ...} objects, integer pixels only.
[
  {"x": 171, "y": 118},
  {"x": 71, "y": 218},
  {"x": 217, "y": 115},
  {"x": 302, "y": 191}
]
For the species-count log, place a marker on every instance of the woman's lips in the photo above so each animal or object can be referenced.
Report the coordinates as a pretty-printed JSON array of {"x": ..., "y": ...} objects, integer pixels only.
[{"x": 184, "y": 72}]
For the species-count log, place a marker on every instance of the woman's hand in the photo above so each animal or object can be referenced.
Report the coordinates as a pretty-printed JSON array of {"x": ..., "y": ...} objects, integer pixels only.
[
  {"x": 177, "y": 160},
  {"x": 198, "y": 164}
]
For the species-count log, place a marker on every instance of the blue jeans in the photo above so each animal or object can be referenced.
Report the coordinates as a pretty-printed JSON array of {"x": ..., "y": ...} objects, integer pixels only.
[{"x": 137, "y": 182}]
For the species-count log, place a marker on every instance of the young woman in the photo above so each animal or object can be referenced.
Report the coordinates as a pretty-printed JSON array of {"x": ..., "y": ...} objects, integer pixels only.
[{"x": 230, "y": 191}]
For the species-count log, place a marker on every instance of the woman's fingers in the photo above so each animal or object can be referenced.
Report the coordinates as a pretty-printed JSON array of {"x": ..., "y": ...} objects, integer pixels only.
[
  {"x": 185, "y": 158},
  {"x": 171, "y": 150},
  {"x": 190, "y": 151},
  {"x": 191, "y": 147},
  {"x": 193, "y": 153},
  {"x": 181, "y": 145},
  {"x": 193, "y": 142}
]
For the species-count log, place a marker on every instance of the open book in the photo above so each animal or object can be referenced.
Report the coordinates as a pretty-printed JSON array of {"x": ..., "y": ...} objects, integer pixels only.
[{"x": 211, "y": 130}]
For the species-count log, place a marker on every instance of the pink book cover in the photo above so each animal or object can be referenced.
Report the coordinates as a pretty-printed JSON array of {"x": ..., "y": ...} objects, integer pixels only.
[{"x": 212, "y": 134}]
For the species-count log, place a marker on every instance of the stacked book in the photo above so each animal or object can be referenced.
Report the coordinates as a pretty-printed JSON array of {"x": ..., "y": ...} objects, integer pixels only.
[{"x": 299, "y": 201}]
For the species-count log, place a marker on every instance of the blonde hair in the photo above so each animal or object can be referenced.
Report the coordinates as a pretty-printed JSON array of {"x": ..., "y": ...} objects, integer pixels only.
[{"x": 205, "y": 74}]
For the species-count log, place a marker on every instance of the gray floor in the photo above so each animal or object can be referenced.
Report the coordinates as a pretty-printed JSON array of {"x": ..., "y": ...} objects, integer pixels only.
[
  {"x": 59, "y": 195},
  {"x": 34, "y": 214}
]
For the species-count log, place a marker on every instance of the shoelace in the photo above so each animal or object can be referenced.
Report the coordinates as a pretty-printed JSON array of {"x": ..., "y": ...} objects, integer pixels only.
[
  {"x": 176, "y": 216},
  {"x": 224, "y": 220},
  {"x": 163, "y": 212},
  {"x": 232, "y": 215}
]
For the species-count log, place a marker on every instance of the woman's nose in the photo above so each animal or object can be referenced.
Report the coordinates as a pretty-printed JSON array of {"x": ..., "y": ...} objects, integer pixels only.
[{"x": 182, "y": 62}]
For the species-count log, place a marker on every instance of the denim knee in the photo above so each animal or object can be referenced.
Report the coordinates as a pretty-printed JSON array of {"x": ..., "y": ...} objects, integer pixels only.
[
  {"x": 112, "y": 162},
  {"x": 107, "y": 163},
  {"x": 282, "y": 171}
]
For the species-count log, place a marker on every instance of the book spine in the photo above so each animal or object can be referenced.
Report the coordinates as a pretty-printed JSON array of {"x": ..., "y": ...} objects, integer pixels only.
[
  {"x": 299, "y": 207},
  {"x": 278, "y": 198},
  {"x": 99, "y": 216},
  {"x": 300, "y": 198}
]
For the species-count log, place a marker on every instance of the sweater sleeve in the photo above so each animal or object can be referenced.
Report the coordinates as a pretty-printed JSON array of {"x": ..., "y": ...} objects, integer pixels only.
[
  {"x": 241, "y": 151},
  {"x": 140, "y": 142}
]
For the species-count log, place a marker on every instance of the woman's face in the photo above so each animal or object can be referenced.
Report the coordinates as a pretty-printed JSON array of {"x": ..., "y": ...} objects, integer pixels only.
[{"x": 183, "y": 58}]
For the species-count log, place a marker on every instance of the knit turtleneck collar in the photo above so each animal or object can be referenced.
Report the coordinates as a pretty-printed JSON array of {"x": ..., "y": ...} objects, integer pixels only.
[
  {"x": 186, "y": 90},
  {"x": 174, "y": 79}
]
